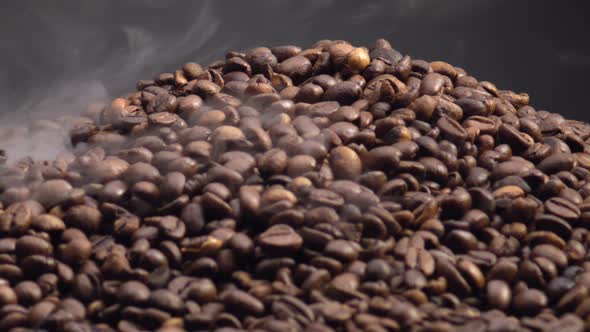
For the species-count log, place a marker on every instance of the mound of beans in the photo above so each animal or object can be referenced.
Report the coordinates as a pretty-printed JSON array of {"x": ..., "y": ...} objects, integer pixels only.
[{"x": 333, "y": 188}]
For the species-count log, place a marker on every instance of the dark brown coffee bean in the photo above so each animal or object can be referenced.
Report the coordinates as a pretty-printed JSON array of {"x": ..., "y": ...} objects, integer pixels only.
[
  {"x": 32, "y": 245},
  {"x": 517, "y": 140},
  {"x": 546, "y": 222},
  {"x": 298, "y": 68},
  {"x": 84, "y": 217},
  {"x": 191, "y": 70},
  {"x": 281, "y": 52},
  {"x": 141, "y": 172},
  {"x": 529, "y": 302},
  {"x": 345, "y": 163},
  {"x": 461, "y": 241},
  {"x": 28, "y": 292},
  {"x": 53, "y": 192},
  {"x": 556, "y": 163},
  {"x": 309, "y": 93},
  {"x": 382, "y": 158},
  {"x": 551, "y": 253},
  {"x": 280, "y": 237},
  {"x": 511, "y": 167},
  {"x": 39, "y": 312},
  {"x": 562, "y": 208},
  {"x": 162, "y": 102},
  {"x": 432, "y": 84},
  {"x": 133, "y": 292},
  {"x": 166, "y": 300},
  {"x": 473, "y": 107},
  {"x": 435, "y": 169},
  {"x": 300, "y": 164},
  {"x": 499, "y": 294},
  {"x": 345, "y": 93},
  {"x": 424, "y": 106},
  {"x": 273, "y": 162},
  {"x": 7, "y": 295},
  {"x": 242, "y": 302},
  {"x": 75, "y": 248},
  {"x": 485, "y": 125},
  {"x": 16, "y": 219},
  {"x": 342, "y": 250},
  {"x": 172, "y": 184},
  {"x": 472, "y": 273},
  {"x": 456, "y": 282}
]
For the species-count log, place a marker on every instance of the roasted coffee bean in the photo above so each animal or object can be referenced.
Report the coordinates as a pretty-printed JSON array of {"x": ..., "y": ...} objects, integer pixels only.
[
  {"x": 432, "y": 84},
  {"x": 280, "y": 237},
  {"x": 17, "y": 218},
  {"x": 498, "y": 294},
  {"x": 242, "y": 302},
  {"x": 345, "y": 93},
  {"x": 451, "y": 129},
  {"x": 529, "y": 302},
  {"x": 53, "y": 192},
  {"x": 298, "y": 68},
  {"x": 562, "y": 208},
  {"x": 7, "y": 295},
  {"x": 84, "y": 217},
  {"x": 133, "y": 292},
  {"x": 556, "y": 163},
  {"x": 32, "y": 245},
  {"x": 345, "y": 163}
]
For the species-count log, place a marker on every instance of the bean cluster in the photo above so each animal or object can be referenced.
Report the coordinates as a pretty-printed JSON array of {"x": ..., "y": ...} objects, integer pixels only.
[{"x": 333, "y": 188}]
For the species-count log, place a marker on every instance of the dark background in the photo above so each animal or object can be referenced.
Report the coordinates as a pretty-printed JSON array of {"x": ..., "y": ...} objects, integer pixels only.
[{"x": 57, "y": 55}]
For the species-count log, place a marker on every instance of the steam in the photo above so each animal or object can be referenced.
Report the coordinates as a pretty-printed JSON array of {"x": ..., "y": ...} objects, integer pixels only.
[
  {"x": 69, "y": 57},
  {"x": 147, "y": 51}
]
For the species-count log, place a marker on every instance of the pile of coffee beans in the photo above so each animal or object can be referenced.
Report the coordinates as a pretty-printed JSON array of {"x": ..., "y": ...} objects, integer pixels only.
[{"x": 333, "y": 188}]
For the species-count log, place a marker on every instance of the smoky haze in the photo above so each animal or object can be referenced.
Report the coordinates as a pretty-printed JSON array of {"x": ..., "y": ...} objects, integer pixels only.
[{"x": 59, "y": 56}]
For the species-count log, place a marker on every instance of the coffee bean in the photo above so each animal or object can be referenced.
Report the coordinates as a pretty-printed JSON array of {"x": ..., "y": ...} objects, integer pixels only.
[
  {"x": 345, "y": 163},
  {"x": 552, "y": 253},
  {"x": 556, "y": 163},
  {"x": 133, "y": 292},
  {"x": 517, "y": 140},
  {"x": 473, "y": 107},
  {"x": 273, "y": 162},
  {"x": 432, "y": 84},
  {"x": 435, "y": 170},
  {"x": 553, "y": 224},
  {"x": 529, "y": 302},
  {"x": 345, "y": 93},
  {"x": 382, "y": 158},
  {"x": 511, "y": 167},
  {"x": 7, "y": 295},
  {"x": 498, "y": 294},
  {"x": 456, "y": 282},
  {"x": 53, "y": 192},
  {"x": 242, "y": 302},
  {"x": 16, "y": 219},
  {"x": 280, "y": 237},
  {"x": 141, "y": 172},
  {"x": 562, "y": 208},
  {"x": 485, "y": 125},
  {"x": 298, "y": 68},
  {"x": 342, "y": 250},
  {"x": 84, "y": 217},
  {"x": 472, "y": 273},
  {"x": 172, "y": 184},
  {"x": 32, "y": 245}
]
